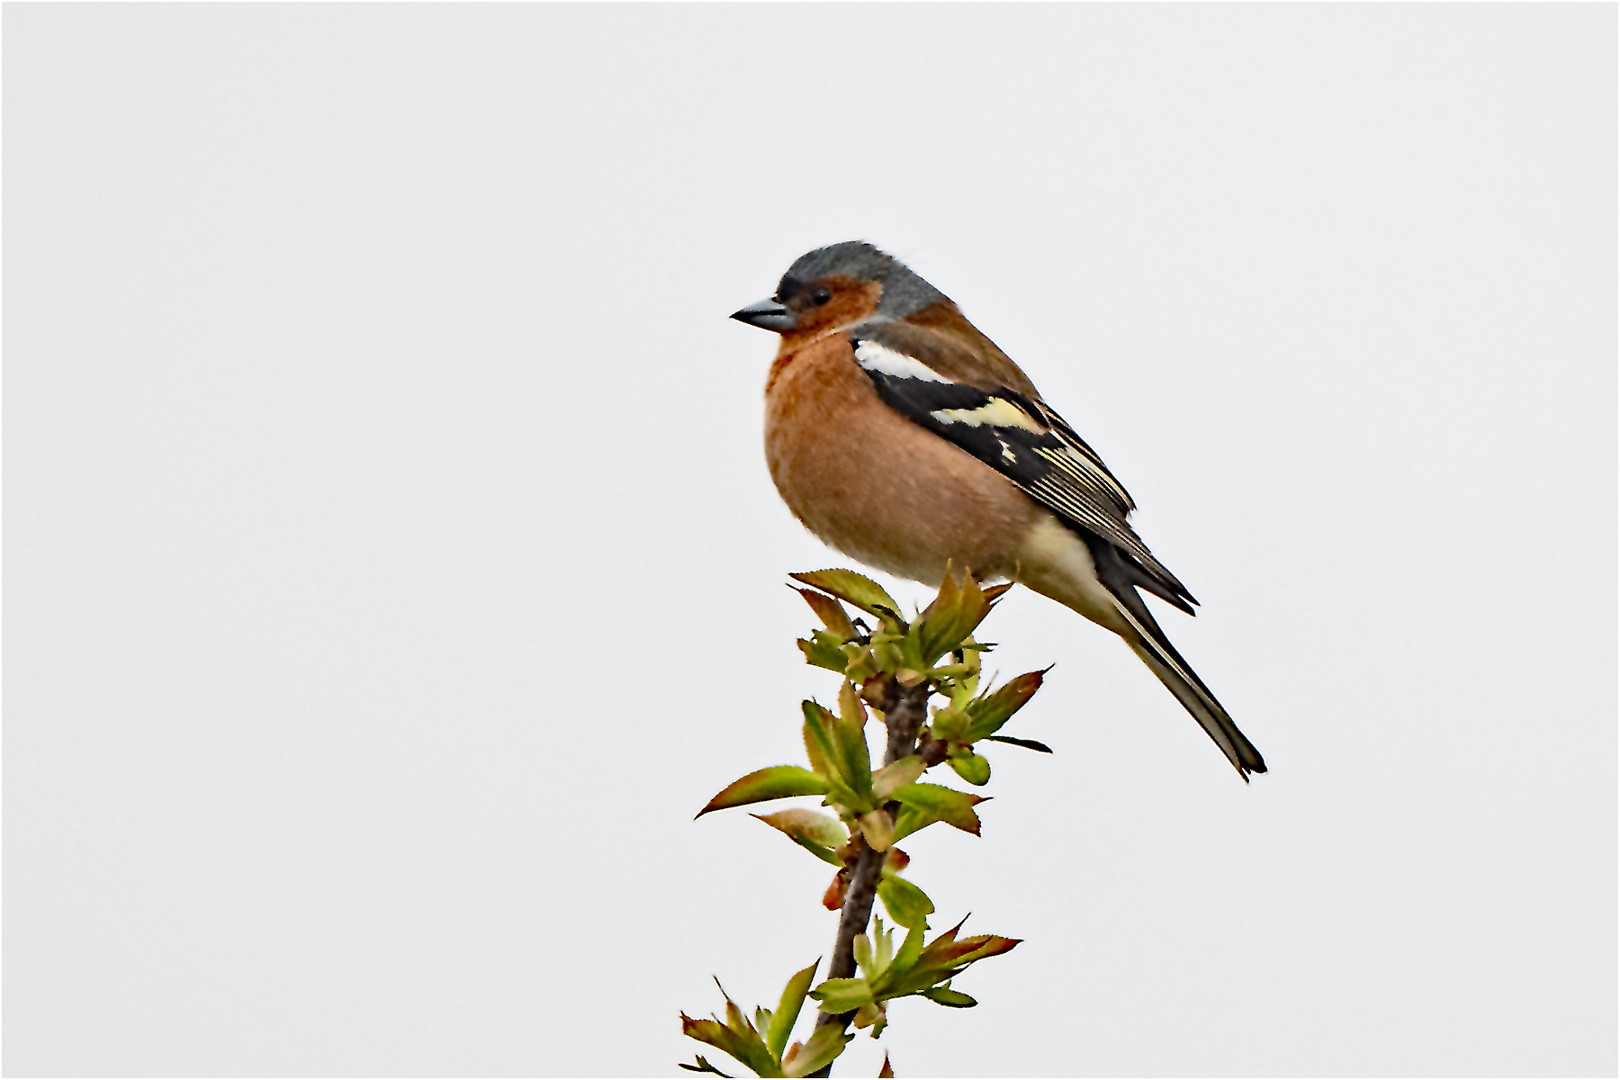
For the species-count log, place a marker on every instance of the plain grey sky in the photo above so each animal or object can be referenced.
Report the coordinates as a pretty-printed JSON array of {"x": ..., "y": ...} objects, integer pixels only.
[{"x": 392, "y": 569}]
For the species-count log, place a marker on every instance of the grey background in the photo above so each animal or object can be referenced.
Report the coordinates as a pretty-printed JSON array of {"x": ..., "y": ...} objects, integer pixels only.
[{"x": 392, "y": 570}]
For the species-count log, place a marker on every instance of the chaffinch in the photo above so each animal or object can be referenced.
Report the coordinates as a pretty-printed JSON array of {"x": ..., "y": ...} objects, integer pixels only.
[{"x": 902, "y": 436}]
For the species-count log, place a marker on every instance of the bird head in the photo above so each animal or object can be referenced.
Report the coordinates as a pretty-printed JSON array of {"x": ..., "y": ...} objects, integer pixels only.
[{"x": 840, "y": 285}]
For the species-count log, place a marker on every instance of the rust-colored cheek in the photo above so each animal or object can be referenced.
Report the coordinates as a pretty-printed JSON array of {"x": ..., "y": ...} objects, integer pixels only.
[{"x": 852, "y": 302}]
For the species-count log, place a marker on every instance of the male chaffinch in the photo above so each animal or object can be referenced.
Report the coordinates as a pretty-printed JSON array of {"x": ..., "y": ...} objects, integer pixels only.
[{"x": 902, "y": 436}]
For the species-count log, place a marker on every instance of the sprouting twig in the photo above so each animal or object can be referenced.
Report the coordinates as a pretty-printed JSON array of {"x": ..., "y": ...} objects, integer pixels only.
[{"x": 908, "y": 708}]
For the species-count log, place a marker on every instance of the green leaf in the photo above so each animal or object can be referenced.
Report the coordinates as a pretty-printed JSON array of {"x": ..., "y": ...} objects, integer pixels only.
[
  {"x": 930, "y": 629},
  {"x": 860, "y": 663},
  {"x": 987, "y": 945},
  {"x": 787, "y": 1012},
  {"x": 891, "y": 776},
  {"x": 830, "y": 612},
  {"x": 843, "y": 995},
  {"x": 1027, "y": 744},
  {"x": 849, "y": 741},
  {"x": 818, "y": 833},
  {"x": 953, "y": 615},
  {"x": 703, "y": 1066},
  {"x": 908, "y": 821},
  {"x": 949, "y": 935},
  {"x": 817, "y": 653},
  {"x": 863, "y": 955},
  {"x": 818, "y": 1051},
  {"x": 745, "y": 1045},
  {"x": 954, "y": 808},
  {"x": 825, "y": 747},
  {"x": 775, "y": 782},
  {"x": 856, "y": 589},
  {"x": 882, "y": 945},
  {"x": 877, "y": 830},
  {"x": 941, "y": 960},
  {"x": 972, "y": 768},
  {"x": 818, "y": 744},
  {"x": 873, "y": 1016},
  {"x": 995, "y": 709},
  {"x": 945, "y": 954},
  {"x": 910, "y": 949},
  {"x": 906, "y": 904},
  {"x": 950, "y": 725},
  {"x": 954, "y": 998}
]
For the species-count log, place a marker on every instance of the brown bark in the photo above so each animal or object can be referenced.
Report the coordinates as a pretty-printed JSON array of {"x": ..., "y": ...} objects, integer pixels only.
[{"x": 904, "y": 717}]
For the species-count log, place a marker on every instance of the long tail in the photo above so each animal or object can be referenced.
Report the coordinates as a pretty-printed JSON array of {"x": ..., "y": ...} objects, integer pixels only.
[
  {"x": 1084, "y": 572},
  {"x": 1163, "y": 660}
]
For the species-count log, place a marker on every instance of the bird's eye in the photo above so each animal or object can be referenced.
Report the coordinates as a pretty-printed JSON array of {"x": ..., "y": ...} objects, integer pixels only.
[{"x": 821, "y": 296}]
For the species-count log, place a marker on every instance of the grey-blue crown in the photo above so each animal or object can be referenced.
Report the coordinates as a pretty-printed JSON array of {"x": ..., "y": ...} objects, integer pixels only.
[{"x": 903, "y": 291}]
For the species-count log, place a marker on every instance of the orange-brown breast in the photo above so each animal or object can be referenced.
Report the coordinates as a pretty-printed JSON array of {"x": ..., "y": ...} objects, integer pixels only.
[{"x": 876, "y": 486}]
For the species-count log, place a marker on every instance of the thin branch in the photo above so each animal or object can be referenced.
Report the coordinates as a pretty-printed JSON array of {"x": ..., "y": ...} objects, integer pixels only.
[{"x": 908, "y": 708}]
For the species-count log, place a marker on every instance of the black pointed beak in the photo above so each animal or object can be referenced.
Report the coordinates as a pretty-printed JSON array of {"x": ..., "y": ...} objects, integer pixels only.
[{"x": 767, "y": 315}]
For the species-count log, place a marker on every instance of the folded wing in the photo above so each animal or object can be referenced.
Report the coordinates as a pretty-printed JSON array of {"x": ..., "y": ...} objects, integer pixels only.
[{"x": 1014, "y": 433}]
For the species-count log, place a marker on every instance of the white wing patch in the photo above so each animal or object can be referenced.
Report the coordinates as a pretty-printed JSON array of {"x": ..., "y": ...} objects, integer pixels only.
[
  {"x": 997, "y": 412},
  {"x": 1018, "y": 435},
  {"x": 874, "y": 357}
]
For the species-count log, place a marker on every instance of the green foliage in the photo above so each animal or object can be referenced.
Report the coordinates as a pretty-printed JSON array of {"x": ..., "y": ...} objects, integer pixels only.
[
  {"x": 989, "y": 712},
  {"x": 925, "y": 971},
  {"x": 971, "y": 767},
  {"x": 853, "y": 588},
  {"x": 867, "y": 808},
  {"x": 955, "y": 613},
  {"x": 775, "y": 782},
  {"x": 819, "y": 834},
  {"x": 764, "y": 1055},
  {"x": 780, "y": 1025},
  {"x": 906, "y": 904},
  {"x": 932, "y": 802}
]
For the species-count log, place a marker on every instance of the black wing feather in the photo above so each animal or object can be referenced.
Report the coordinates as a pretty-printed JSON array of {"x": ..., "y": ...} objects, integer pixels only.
[{"x": 1024, "y": 440}]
